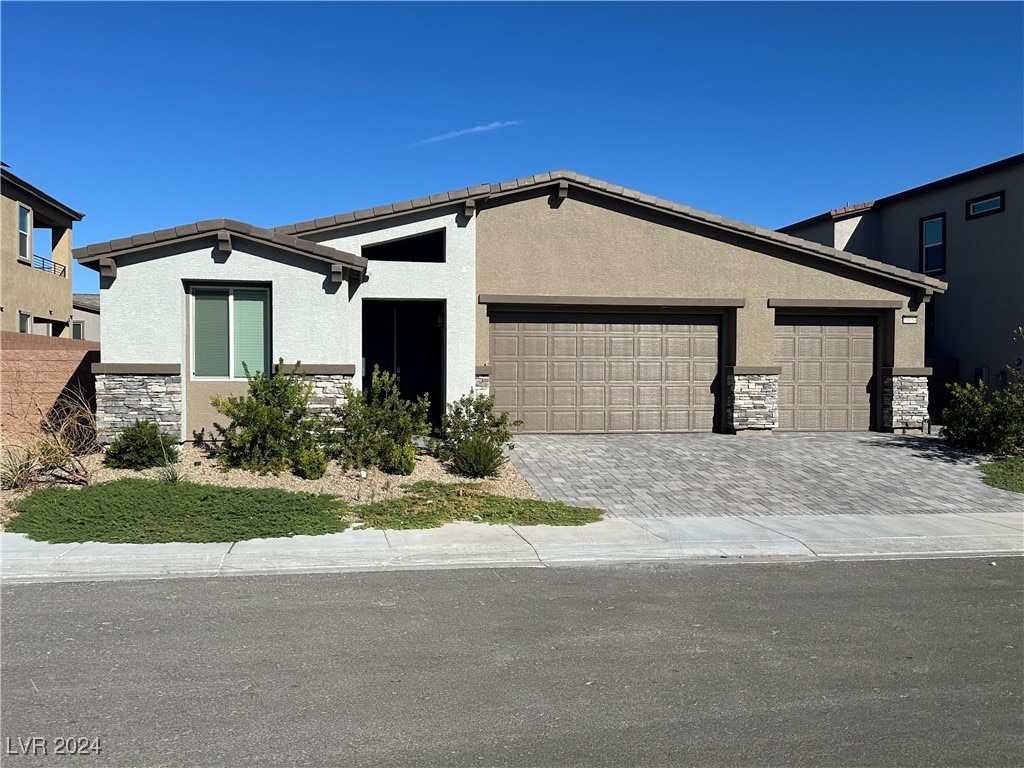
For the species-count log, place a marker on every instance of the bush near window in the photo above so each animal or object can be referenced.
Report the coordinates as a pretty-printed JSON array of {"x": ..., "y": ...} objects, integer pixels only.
[
  {"x": 270, "y": 425},
  {"x": 141, "y": 445},
  {"x": 376, "y": 427},
  {"x": 982, "y": 420}
]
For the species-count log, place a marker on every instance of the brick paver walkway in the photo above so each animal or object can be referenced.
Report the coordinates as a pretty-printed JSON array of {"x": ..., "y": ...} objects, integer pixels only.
[{"x": 660, "y": 475}]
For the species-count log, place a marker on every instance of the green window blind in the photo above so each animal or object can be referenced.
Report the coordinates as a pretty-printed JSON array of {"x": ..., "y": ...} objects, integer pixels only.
[
  {"x": 250, "y": 331},
  {"x": 210, "y": 336}
]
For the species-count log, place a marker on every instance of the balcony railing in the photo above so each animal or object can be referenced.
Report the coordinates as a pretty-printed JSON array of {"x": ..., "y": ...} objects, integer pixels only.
[{"x": 38, "y": 262}]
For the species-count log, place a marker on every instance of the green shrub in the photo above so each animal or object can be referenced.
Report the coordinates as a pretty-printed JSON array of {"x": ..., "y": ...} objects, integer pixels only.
[
  {"x": 140, "y": 446},
  {"x": 478, "y": 456},
  {"x": 978, "y": 419},
  {"x": 376, "y": 427},
  {"x": 311, "y": 463},
  {"x": 471, "y": 416},
  {"x": 270, "y": 424},
  {"x": 398, "y": 459}
]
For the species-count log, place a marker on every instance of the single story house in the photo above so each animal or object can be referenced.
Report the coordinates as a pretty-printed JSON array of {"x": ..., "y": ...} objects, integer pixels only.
[{"x": 580, "y": 305}]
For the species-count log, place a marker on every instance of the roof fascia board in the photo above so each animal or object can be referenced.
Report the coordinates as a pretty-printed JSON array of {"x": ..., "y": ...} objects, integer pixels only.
[
  {"x": 36, "y": 192},
  {"x": 357, "y": 263}
]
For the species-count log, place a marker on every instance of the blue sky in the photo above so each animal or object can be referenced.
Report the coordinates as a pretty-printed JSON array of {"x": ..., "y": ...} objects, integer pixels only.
[{"x": 147, "y": 115}]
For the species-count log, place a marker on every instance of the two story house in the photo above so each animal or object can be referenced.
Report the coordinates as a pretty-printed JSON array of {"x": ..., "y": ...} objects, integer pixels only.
[
  {"x": 35, "y": 259},
  {"x": 967, "y": 230}
]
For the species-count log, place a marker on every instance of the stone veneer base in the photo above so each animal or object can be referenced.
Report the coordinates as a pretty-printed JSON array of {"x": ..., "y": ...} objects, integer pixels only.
[
  {"x": 753, "y": 402},
  {"x": 904, "y": 403},
  {"x": 122, "y": 399}
]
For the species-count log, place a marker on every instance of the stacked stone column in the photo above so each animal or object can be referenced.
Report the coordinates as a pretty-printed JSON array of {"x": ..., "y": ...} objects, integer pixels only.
[
  {"x": 752, "y": 399},
  {"x": 904, "y": 399}
]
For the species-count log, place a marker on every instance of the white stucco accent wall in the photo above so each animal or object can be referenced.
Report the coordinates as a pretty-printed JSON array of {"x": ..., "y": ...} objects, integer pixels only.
[
  {"x": 454, "y": 281},
  {"x": 145, "y": 306}
]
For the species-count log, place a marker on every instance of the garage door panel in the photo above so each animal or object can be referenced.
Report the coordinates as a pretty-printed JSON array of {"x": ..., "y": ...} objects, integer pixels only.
[
  {"x": 593, "y": 397},
  {"x": 563, "y": 397},
  {"x": 564, "y": 371},
  {"x": 593, "y": 346},
  {"x": 561, "y": 421},
  {"x": 563, "y": 346},
  {"x": 534, "y": 371},
  {"x": 535, "y": 346},
  {"x": 826, "y": 368},
  {"x": 605, "y": 372}
]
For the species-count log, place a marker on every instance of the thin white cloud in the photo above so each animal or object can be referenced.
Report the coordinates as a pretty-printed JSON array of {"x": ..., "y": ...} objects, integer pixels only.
[{"x": 467, "y": 131}]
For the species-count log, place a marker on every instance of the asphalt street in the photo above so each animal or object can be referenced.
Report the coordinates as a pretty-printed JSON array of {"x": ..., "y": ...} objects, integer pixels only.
[{"x": 901, "y": 663}]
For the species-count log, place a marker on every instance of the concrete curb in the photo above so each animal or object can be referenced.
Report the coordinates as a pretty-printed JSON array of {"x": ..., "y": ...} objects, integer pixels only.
[{"x": 470, "y": 545}]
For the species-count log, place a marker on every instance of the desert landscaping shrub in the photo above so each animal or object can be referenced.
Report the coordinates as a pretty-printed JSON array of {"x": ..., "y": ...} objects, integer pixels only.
[
  {"x": 376, "y": 427},
  {"x": 311, "y": 463},
  {"x": 472, "y": 435},
  {"x": 478, "y": 456},
  {"x": 270, "y": 424},
  {"x": 18, "y": 466},
  {"x": 982, "y": 420},
  {"x": 140, "y": 446}
]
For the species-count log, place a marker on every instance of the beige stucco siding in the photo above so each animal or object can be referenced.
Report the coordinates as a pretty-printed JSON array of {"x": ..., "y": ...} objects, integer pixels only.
[
  {"x": 589, "y": 247},
  {"x": 22, "y": 288}
]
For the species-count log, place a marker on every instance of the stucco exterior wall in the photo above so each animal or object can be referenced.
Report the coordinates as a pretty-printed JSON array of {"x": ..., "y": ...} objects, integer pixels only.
[
  {"x": 974, "y": 319},
  {"x": 589, "y": 247},
  {"x": 90, "y": 321},
  {"x": 23, "y": 288},
  {"x": 145, "y": 312},
  {"x": 454, "y": 281}
]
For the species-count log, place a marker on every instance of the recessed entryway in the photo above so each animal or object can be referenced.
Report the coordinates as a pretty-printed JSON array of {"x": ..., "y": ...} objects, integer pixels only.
[{"x": 407, "y": 338}]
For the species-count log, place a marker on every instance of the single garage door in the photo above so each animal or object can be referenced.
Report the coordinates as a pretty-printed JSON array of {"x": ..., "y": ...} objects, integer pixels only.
[
  {"x": 827, "y": 365},
  {"x": 605, "y": 372}
]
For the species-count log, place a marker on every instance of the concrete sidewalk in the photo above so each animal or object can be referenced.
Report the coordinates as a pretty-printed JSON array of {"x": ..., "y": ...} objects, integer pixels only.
[{"x": 462, "y": 545}]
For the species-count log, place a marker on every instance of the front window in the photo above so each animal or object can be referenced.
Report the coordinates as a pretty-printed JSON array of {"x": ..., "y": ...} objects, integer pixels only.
[
  {"x": 78, "y": 330},
  {"x": 933, "y": 244},
  {"x": 230, "y": 327},
  {"x": 24, "y": 233},
  {"x": 24, "y": 322}
]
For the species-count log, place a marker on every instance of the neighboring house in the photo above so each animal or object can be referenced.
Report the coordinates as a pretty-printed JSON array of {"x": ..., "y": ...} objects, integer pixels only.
[
  {"x": 35, "y": 259},
  {"x": 85, "y": 317},
  {"x": 966, "y": 229},
  {"x": 581, "y": 306}
]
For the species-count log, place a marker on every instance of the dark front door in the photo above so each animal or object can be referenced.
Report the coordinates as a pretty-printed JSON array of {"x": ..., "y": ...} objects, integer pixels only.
[{"x": 407, "y": 338}]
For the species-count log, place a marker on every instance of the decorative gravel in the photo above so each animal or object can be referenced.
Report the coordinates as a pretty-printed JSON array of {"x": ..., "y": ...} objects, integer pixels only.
[{"x": 349, "y": 485}]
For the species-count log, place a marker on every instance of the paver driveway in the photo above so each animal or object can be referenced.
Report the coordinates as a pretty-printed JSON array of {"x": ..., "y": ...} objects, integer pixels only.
[{"x": 659, "y": 475}]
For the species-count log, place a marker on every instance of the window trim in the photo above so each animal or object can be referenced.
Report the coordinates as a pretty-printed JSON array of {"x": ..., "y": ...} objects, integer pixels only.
[
  {"x": 921, "y": 246},
  {"x": 27, "y": 317},
  {"x": 217, "y": 288},
  {"x": 79, "y": 324},
  {"x": 1001, "y": 195},
  {"x": 27, "y": 258}
]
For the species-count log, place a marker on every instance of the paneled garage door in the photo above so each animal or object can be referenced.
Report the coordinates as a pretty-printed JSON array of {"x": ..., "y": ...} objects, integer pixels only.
[
  {"x": 827, "y": 364},
  {"x": 605, "y": 372}
]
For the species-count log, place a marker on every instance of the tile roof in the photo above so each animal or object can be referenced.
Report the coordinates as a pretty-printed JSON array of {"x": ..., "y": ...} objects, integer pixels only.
[
  {"x": 86, "y": 300},
  {"x": 112, "y": 248},
  {"x": 491, "y": 191}
]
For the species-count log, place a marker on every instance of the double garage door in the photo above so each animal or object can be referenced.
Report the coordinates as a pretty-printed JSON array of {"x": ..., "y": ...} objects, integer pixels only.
[
  {"x": 613, "y": 372},
  {"x": 605, "y": 372}
]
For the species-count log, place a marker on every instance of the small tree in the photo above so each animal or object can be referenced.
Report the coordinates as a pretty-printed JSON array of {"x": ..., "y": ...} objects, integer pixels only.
[{"x": 270, "y": 424}]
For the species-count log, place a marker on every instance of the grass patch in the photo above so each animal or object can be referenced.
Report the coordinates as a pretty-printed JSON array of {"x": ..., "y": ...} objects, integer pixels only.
[
  {"x": 153, "y": 511},
  {"x": 429, "y": 505},
  {"x": 1007, "y": 474},
  {"x": 150, "y": 512}
]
